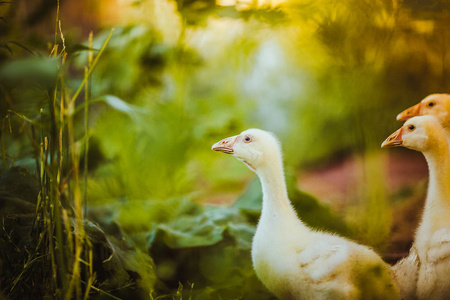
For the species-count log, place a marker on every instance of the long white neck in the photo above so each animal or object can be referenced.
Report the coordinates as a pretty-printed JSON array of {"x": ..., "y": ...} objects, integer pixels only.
[
  {"x": 436, "y": 214},
  {"x": 277, "y": 209},
  {"x": 439, "y": 184},
  {"x": 279, "y": 234}
]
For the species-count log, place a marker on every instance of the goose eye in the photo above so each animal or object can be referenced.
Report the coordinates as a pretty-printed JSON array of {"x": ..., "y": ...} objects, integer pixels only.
[
  {"x": 411, "y": 127},
  {"x": 431, "y": 104},
  {"x": 247, "y": 139}
]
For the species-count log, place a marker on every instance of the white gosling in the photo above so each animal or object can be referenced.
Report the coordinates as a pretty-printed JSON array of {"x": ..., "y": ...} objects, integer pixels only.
[
  {"x": 293, "y": 261},
  {"x": 436, "y": 105},
  {"x": 424, "y": 274}
]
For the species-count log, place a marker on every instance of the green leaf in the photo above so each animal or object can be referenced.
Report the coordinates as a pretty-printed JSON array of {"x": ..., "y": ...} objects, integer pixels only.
[
  {"x": 206, "y": 228},
  {"x": 23, "y": 47},
  {"x": 218, "y": 265},
  {"x": 242, "y": 233},
  {"x": 251, "y": 199},
  {"x": 5, "y": 45},
  {"x": 79, "y": 47},
  {"x": 189, "y": 231},
  {"x": 11, "y": 205},
  {"x": 115, "y": 103},
  {"x": 34, "y": 69},
  {"x": 23, "y": 117},
  {"x": 119, "y": 104}
]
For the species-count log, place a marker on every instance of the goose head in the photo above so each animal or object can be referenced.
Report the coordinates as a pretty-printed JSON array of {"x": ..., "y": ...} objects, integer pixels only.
[
  {"x": 256, "y": 148},
  {"x": 437, "y": 105},
  {"x": 419, "y": 133}
]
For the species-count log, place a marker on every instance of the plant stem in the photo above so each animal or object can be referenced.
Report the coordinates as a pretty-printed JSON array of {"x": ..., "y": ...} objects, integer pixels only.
[{"x": 91, "y": 68}]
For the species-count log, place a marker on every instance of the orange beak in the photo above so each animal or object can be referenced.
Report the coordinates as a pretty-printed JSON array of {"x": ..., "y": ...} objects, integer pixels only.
[
  {"x": 409, "y": 113},
  {"x": 394, "y": 140},
  {"x": 225, "y": 145}
]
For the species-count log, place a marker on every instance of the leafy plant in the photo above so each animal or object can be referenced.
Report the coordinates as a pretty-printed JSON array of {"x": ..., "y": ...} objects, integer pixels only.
[{"x": 62, "y": 254}]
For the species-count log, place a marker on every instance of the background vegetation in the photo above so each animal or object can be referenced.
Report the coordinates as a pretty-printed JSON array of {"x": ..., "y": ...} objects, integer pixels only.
[{"x": 114, "y": 191}]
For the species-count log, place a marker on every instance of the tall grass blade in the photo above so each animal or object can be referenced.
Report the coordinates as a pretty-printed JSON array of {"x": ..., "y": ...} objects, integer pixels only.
[{"x": 91, "y": 68}]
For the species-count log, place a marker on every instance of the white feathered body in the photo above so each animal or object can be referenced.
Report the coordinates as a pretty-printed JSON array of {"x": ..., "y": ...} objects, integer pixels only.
[
  {"x": 433, "y": 250},
  {"x": 296, "y": 263},
  {"x": 406, "y": 272},
  {"x": 425, "y": 273}
]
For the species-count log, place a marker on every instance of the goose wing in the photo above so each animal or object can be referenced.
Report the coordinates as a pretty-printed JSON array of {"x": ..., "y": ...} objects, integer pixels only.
[
  {"x": 406, "y": 272},
  {"x": 323, "y": 258},
  {"x": 439, "y": 249}
]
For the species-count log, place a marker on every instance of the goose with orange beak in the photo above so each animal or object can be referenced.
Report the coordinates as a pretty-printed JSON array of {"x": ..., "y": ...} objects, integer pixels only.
[
  {"x": 423, "y": 274},
  {"x": 291, "y": 259},
  {"x": 437, "y": 105}
]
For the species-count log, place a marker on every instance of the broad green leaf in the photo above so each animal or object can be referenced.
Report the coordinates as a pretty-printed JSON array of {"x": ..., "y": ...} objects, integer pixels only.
[
  {"x": 34, "y": 69},
  {"x": 251, "y": 199},
  {"x": 204, "y": 229},
  {"x": 242, "y": 233},
  {"x": 211, "y": 249}
]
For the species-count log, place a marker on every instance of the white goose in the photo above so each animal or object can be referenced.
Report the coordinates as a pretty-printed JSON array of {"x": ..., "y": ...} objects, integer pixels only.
[
  {"x": 436, "y": 105},
  {"x": 424, "y": 274},
  {"x": 293, "y": 261}
]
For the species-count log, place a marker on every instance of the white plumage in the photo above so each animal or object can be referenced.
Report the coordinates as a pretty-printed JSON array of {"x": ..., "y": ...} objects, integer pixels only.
[
  {"x": 424, "y": 273},
  {"x": 293, "y": 261},
  {"x": 436, "y": 105},
  {"x": 406, "y": 272}
]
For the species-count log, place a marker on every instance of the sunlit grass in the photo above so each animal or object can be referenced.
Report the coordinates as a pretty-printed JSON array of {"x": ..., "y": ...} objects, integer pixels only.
[{"x": 61, "y": 242}]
